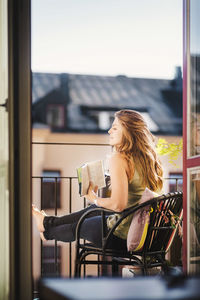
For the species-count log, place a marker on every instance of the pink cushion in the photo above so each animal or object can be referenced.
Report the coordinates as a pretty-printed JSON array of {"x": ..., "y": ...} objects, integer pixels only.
[{"x": 139, "y": 224}]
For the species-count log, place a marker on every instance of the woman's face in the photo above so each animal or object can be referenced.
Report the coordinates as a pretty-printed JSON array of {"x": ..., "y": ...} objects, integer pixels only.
[{"x": 116, "y": 133}]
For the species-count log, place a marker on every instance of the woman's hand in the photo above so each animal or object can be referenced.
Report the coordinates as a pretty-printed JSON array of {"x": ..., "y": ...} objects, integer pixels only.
[
  {"x": 119, "y": 183},
  {"x": 91, "y": 194}
]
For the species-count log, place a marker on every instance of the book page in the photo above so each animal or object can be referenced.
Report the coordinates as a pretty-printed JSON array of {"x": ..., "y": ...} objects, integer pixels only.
[
  {"x": 96, "y": 173},
  {"x": 85, "y": 180}
]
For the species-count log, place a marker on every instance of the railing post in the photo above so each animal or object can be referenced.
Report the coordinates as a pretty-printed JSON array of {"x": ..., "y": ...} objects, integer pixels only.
[
  {"x": 56, "y": 246},
  {"x": 41, "y": 243},
  {"x": 84, "y": 266},
  {"x": 177, "y": 184},
  {"x": 70, "y": 210}
]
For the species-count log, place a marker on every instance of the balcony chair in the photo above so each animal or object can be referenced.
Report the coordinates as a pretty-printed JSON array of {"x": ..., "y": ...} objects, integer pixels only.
[{"x": 161, "y": 231}]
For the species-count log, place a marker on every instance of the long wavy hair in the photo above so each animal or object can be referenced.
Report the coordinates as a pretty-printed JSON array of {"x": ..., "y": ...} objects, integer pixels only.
[{"x": 138, "y": 149}]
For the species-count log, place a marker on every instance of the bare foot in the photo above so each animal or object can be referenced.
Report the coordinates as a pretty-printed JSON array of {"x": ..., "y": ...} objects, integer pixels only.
[
  {"x": 43, "y": 212},
  {"x": 42, "y": 237},
  {"x": 39, "y": 218}
]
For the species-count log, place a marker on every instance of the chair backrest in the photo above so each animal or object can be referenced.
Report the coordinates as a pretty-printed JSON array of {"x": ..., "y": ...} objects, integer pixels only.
[{"x": 165, "y": 216}]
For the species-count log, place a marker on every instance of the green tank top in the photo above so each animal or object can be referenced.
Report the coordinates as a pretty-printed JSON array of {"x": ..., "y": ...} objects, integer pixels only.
[{"x": 135, "y": 191}]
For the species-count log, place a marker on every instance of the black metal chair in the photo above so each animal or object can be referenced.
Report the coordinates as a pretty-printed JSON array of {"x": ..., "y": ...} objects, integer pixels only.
[{"x": 166, "y": 213}]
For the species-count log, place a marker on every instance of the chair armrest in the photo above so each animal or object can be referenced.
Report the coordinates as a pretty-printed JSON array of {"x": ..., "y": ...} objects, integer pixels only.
[{"x": 87, "y": 213}]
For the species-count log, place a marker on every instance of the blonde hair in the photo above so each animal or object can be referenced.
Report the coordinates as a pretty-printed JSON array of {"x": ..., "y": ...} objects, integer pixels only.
[{"x": 138, "y": 149}]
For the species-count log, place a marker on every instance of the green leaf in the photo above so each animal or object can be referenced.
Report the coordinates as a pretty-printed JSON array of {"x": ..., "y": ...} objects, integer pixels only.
[{"x": 173, "y": 150}]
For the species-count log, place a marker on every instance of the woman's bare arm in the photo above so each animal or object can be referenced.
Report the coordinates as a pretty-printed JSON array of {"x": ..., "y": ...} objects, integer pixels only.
[{"x": 119, "y": 186}]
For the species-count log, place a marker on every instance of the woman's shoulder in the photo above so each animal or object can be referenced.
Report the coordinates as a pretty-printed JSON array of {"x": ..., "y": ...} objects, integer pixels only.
[{"x": 117, "y": 158}]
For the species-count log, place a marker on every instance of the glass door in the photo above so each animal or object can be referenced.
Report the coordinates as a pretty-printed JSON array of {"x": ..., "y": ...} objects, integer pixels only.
[
  {"x": 191, "y": 101},
  {"x": 4, "y": 206}
]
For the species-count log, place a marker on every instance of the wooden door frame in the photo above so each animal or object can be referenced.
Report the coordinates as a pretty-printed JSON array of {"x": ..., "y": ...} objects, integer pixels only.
[
  {"x": 185, "y": 29},
  {"x": 19, "y": 110},
  {"x": 193, "y": 161}
]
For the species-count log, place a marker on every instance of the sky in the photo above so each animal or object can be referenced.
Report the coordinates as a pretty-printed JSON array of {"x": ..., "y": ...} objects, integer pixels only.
[{"x": 136, "y": 38}]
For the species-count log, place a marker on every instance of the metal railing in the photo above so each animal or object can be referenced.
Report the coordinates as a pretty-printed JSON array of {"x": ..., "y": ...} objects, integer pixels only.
[
  {"x": 178, "y": 186},
  {"x": 56, "y": 180},
  {"x": 70, "y": 180},
  {"x": 69, "y": 210},
  {"x": 178, "y": 183}
]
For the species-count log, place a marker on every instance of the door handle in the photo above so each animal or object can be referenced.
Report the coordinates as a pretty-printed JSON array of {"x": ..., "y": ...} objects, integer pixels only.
[{"x": 5, "y": 105}]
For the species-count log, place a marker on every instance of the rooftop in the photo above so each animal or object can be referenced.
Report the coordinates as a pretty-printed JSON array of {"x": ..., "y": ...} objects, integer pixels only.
[{"x": 85, "y": 96}]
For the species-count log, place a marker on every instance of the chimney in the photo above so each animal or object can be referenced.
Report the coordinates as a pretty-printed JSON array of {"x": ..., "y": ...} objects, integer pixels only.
[
  {"x": 178, "y": 73},
  {"x": 176, "y": 83}
]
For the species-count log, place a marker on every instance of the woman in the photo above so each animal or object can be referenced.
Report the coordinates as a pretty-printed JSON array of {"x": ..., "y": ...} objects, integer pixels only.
[{"x": 133, "y": 166}]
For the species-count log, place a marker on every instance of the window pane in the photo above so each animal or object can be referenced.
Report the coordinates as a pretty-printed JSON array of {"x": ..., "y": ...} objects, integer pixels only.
[
  {"x": 49, "y": 267},
  {"x": 50, "y": 190},
  {"x": 55, "y": 115},
  {"x": 194, "y": 220},
  {"x": 194, "y": 88},
  {"x": 175, "y": 182}
]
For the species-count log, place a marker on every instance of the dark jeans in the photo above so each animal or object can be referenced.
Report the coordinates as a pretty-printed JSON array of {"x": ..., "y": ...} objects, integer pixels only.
[{"x": 64, "y": 228}]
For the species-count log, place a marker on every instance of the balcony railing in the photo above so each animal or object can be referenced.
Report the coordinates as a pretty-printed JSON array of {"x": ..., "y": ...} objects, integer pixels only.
[{"x": 56, "y": 180}]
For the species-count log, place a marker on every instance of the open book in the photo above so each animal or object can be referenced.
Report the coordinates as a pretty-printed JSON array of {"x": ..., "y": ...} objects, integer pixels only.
[{"x": 91, "y": 171}]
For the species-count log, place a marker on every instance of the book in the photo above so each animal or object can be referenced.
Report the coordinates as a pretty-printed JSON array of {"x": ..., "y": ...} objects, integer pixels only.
[{"x": 90, "y": 172}]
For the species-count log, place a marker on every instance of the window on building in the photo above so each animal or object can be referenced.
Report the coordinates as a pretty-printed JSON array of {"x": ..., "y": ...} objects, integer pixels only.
[
  {"x": 55, "y": 115},
  {"x": 51, "y": 186},
  {"x": 49, "y": 267},
  {"x": 150, "y": 122},
  {"x": 102, "y": 119},
  {"x": 175, "y": 182},
  {"x": 105, "y": 119}
]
